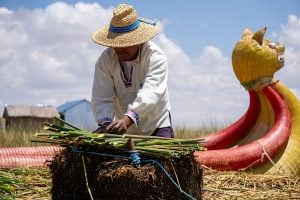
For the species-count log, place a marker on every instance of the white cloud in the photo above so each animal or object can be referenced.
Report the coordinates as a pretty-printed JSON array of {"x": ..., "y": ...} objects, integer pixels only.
[
  {"x": 290, "y": 36},
  {"x": 4, "y": 11},
  {"x": 47, "y": 57},
  {"x": 290, "y": 31},
  {"x": 203, "y": 90}
]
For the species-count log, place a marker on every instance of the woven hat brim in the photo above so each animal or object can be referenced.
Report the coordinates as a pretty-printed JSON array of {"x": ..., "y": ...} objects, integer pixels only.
[{"x": 143, "y": 33}]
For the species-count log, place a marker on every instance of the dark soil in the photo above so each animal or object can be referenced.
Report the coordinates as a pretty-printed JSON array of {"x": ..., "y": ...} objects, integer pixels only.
[{"x": 116, "y": 178}]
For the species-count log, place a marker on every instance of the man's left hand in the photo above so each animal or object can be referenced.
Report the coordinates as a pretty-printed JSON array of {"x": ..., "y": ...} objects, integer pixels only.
[{"x": 120, "y": 126}]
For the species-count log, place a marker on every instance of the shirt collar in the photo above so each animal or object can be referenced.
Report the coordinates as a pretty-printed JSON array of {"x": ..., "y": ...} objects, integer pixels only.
[{"x": 138, "y": 58}]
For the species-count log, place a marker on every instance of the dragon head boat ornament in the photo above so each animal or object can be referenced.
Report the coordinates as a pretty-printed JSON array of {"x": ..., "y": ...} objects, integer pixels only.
[
  {"x": 255, "y": 59},
  {"x": 265, "y": 139}
]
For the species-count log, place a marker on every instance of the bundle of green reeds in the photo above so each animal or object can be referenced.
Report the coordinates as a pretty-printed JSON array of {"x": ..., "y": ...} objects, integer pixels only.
[
  {"x": 65, "y": 133},
  {"x": 6, "y": 184}
]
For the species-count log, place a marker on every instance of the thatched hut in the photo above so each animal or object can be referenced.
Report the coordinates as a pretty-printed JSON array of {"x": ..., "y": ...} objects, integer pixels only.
[{"x": 28, "y": 117}]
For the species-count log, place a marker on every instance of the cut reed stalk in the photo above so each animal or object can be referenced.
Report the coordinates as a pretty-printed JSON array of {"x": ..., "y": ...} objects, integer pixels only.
[{"x": 65, "y": 134}]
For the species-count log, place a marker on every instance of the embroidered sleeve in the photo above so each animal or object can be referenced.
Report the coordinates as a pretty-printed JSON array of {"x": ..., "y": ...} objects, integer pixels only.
[{"x": 133, "y": 116}]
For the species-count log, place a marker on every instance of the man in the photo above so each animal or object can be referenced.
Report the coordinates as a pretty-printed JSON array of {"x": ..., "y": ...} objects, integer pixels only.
[{"x": 130, "y": 81}]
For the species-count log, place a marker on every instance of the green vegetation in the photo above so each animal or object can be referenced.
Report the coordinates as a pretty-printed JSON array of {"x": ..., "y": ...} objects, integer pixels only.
[
  {"x": 28, "y": 183},
  {"x": 65, "y": 133},
  {"x": 19, "y": 136},
  {"x": 186, "y": 132},
  {"x": 25, "y": 183},
  {"x": 36, "y": 184}
]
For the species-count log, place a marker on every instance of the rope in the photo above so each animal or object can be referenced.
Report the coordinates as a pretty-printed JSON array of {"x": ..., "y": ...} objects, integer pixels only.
[
  {"x": 175, "y": 174},
  {"x": 169, "y": 176},
  {"x": 86, "y": 179},
  {"x": 136, "y": 160},
  {"x": 75, "y": 150},
  {"x": 265, "y": 153}
]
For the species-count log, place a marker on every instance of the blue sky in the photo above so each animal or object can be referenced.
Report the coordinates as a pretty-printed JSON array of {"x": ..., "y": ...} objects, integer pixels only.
[
  {"x": 48, "y": 56},
  {"x": 194, "y": 24}
]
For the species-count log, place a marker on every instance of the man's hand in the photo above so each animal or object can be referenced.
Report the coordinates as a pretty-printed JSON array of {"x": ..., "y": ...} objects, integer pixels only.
[
  {"x": 102, "y": 128},
  {"x": 120, "y": 126}
]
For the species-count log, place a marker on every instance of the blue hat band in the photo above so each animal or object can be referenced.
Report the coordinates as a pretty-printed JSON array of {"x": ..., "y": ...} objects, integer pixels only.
[
  {"x": 130, "y": 27},
  {"x": 125, "y": 29}
]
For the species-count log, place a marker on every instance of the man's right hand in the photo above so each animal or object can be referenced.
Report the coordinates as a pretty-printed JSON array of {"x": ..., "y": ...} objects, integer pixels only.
[{"x": 120, "y": 126}]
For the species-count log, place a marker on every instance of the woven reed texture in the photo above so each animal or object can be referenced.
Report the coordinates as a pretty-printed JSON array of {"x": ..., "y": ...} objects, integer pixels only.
[
  {"x": 252, "y": 61},
  {"x": 289, "y": 161},
  {"x": 16, "y": 157},
  {"x": 125, "y": 15}
]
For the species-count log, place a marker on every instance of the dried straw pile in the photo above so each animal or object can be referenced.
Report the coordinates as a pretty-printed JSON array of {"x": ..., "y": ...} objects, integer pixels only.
[{"x": 243, "y": 185}]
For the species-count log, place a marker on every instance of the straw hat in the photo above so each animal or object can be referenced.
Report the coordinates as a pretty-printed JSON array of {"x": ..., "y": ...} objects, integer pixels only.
[{"x": 125, "y": 29}]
